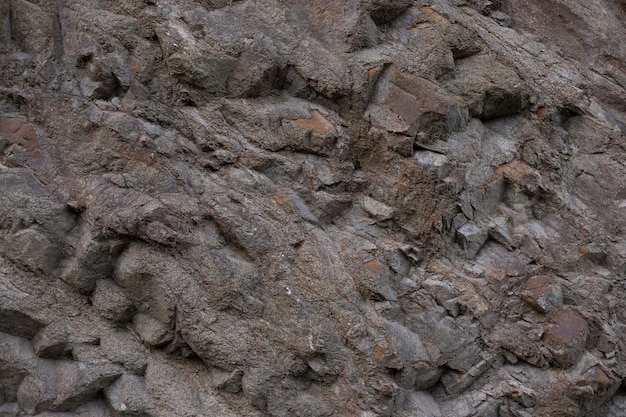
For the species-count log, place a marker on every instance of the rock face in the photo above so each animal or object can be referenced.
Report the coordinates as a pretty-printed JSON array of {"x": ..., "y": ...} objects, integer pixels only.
[{"x": 330, "y": 208}]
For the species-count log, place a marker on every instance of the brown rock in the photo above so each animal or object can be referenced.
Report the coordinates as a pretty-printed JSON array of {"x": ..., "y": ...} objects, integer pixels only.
[
  {"x": 542, "y": 293},
  {"x": 406, "y": 103},
  {"x": 317, "y": 123},
  {"x": 566, "y": 336}
]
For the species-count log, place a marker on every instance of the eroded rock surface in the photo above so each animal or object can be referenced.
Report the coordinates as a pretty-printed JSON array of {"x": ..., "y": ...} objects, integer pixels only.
[{"x": 359, "y": 208}]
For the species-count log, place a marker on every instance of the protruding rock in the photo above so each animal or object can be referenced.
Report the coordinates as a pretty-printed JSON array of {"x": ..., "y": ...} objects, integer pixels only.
[
  {"x": 128, "y": 396},
  {"x": 123, "y": 348},
  {"x": 385, "y": 11},
  {"x": 378, "y": 210},
  {"x": 52, "y": 341},
  {"x": 566, "y": 336},
  {"x": 542, "y": 293},
  {"x": 17, "y": 360},
  {"x": 490, "y": 88},
  {"x": 227, "y": 381},
  {"x": 194, "y": 61},
  {"x": 406, "y": 103},
  {"x": 472, "y": 238},
  {"x": 373, "y": 281},
  {"x": 183, "y": 388},
  {"x": 19, "y": 324},
  {"x": 63, "y": 385},
  {"x": 151, "y": 331},
  {"x": 32, "y": 27},
  {"x": 111, "y": 301}
]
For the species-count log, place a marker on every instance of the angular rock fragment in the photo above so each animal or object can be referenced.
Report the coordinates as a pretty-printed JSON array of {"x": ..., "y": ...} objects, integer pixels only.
[
  {"x": 472, "y": 238},
  {"x": 184, "y": 388},
  {"x": 19, "y": 324},
  {"x": 32, "y": 221},
  {"x": 411, "y": 354},
  {"x": 384, "y": 11},
  {"x": 17, "y": 360},
  {"x": 408, "y": 104},
  {"x": 151, "y": 331},
  {"x": 373, "y": 281},
  {"x": 128, "y": 396},
  {"x": 111, "y": 301},
  {"x": 123, "y": 348},
  {"x": 542, "y": 293},
  {"x": 63, "y": 385},
  {"x": 380, "y": 211},
  {"x": 566, "y": 336},
  {"x": 92, "y": 260},
  {"x": 227, "y": 381},
  {"x": 53, "y": 341},
  {"x": 194, "y": 61},
  {"x": 491, "y": 89}
]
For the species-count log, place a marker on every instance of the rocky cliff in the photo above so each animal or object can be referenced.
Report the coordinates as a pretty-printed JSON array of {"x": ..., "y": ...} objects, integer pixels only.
[{"x": 312, "y": 208}]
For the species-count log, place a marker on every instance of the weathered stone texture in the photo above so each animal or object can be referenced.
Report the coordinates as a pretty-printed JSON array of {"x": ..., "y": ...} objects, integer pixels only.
[{"x": 366, "y": 208}]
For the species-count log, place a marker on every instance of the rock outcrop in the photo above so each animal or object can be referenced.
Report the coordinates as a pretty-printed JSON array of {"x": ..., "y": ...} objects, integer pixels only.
[{"x": 312, "y": 208}]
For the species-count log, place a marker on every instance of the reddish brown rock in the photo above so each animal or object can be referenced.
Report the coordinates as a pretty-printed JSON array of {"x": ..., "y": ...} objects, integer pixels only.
[
  {"x": 566, "y": 336},
  {"x": 542, "y": 293},
  {"x": 317, "y": 123},
  {"x": 21, "y": 134},
  {"x": 409, "y": 104},
  {"x": 603, "y": 384}
]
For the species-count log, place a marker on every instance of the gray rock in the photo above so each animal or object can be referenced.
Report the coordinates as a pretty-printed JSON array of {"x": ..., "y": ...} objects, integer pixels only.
[
  {"x": 182, "y": 387},
  {"x": 18, "y": 323},
  {"x": 128, "y": 396},
  {"x": 96, "y": 408},
  {"x": 63, "y": 385},
  {"x": 17, "y": 360},
  {"x": 52, "y": 341},
  {"x": 111, "y": 301},
  {"x": 472, "y": 238},
  {"x": 380, "y": 211},
  {"x": 9, "y": 409},
  {"x": 227, "y": 381},
  {"x": 32, "y": 25},
  {"x": 151, "y": 331},
  {"x": 124, "y": 348}
]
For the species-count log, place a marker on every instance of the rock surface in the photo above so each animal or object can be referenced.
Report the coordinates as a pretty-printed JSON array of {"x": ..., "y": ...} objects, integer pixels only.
[{"x": 360, "y": 208}]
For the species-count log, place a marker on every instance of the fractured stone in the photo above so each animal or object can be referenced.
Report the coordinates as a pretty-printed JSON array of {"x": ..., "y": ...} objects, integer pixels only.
[
  {"x": 542, "y": 293},
  {"x": 565, "y": 337}
]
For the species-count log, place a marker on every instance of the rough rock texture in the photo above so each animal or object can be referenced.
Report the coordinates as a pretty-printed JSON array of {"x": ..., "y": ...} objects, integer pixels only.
[{"x": 312, "y": 208}]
